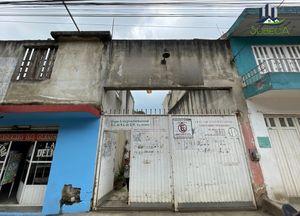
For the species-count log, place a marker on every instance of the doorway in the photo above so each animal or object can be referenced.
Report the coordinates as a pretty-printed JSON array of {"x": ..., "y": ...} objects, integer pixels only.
[
  {"x": 284, "y": 132},
  {"x": 115, "y": 169},
  {"x": 25, "y": 162},
  {"x": 12, "y": 169}
]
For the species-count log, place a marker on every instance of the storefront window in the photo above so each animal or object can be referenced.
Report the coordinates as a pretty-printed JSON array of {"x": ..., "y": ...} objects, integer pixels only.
[
  {"x": 43, "y": 151},
  {"x": 25, "y": 162},
  {"x": 25, "y": 171},
  {"x": 40, "y": 163},
  {"x": 38, "y": 174},
  {"x": 4, "y": 146},
  {"x": 3, "y": 150}
]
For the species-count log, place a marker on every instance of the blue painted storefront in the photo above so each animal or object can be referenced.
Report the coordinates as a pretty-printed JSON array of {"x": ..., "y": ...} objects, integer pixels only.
[
  {"x": 74, "y": 156},
  {"x": 245, "y": 62}
]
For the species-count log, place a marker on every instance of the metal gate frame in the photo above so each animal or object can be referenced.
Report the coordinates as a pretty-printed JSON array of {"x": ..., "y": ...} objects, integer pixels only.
[
  {"x": 171, "y": 146},
  {"x": 219, "y": 205}
]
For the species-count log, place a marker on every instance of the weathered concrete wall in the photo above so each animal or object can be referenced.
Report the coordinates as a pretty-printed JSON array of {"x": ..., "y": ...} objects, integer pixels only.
[
  {"x": 137, "y": 64},
  {"x": 129, "y": 101},
  {"x": 117, "y": 102},
  {"x": 83, "y": 68},
  {"x": 9, "y": 56},
  {"x": 201, "y": 101},
  {"x": 75, "y": 77},
  {"x": 172, "y": 98},
  {"x": 110, "y": 102}
]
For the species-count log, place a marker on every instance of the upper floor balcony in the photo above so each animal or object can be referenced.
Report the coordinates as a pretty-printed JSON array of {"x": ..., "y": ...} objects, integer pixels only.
[{"x": 272, "y": 74}]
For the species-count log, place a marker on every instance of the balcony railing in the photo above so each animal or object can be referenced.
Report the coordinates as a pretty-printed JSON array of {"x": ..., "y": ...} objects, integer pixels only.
[{"x": 270, "y": 66}]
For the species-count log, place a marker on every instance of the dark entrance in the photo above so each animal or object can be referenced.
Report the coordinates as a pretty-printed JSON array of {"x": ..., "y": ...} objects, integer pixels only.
[
  {"x": 25, "y": 162},
  {"x": 12, "y": 169}
]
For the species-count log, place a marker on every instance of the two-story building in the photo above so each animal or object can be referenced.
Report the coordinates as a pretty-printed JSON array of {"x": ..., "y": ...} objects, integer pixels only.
[
  {"x": 51, "y": 101},
  {"x": 55, "y": 151},
  {"x": 266, "y": 50},
  {"x": 201, "y": 156}
]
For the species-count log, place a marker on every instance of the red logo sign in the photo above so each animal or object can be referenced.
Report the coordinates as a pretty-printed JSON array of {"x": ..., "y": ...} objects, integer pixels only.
[{"x": 182, "y": 127}]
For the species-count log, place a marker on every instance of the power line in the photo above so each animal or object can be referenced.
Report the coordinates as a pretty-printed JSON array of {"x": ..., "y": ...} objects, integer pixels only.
[
  {"x": 281, "y": 3},
  {"x": 104, "y": 8},
  {"x": 119, "y": 15},
  {"x": 174, "y": 2},
  {"x": 120, "y": 25},
  {"x": 71, "y": 15},
  {"x": 203, "y": 5}
]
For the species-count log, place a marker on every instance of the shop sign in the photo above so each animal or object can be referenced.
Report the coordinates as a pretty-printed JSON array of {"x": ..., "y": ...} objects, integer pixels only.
[
  {"x": 269, "y": 24},
  {"x": 130, "y": 123},
  {"x": 257, "y": 30},
  {"x": 182, "y": 128},
  {"x": 27, "y": 137},
  {"x": 44, "y": 151}
]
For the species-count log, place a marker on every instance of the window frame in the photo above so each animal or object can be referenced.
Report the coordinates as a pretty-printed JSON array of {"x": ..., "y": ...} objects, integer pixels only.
[
  {"x": 43, "y": 57},
  {"x": 277, "y": 58}
]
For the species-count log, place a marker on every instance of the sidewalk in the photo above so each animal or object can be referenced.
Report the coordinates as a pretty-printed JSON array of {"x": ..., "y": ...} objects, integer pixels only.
[{"x": 143, "y": 213}]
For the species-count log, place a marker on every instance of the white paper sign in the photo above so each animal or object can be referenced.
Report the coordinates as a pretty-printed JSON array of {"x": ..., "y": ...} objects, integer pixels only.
[{"x": 182, "y": 128}]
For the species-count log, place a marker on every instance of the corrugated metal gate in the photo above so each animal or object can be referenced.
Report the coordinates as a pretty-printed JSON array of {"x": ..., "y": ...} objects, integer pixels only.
[
  {"x": 284, "y": 133},
  {"x": 210, "y": 167},
  {"x": 185, "y": 161}
]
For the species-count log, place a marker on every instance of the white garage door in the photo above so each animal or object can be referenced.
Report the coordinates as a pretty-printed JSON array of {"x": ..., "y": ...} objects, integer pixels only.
[
  {"x": 188, "y": 161},
  {"x": 210, "y": 167},
  {"x": 285, "y": 140},
  {"x": 150, "y": 164}
]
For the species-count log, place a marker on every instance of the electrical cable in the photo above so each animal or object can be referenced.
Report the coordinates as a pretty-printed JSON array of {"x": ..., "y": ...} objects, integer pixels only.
[
  {"x": 203, "y": 8},
  {"x": 71, "y": 16},
  {"x": 174, "y": 2},
  {"x": 281, "y": 3},
  {"x": 119, "y": 25},
  {"x": 119, "y": 15}
]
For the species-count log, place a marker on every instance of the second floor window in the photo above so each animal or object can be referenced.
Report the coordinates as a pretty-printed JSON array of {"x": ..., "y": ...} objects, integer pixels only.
[
  {"x": 277, "y": 58},
  {"x": 36, "y": 63}
]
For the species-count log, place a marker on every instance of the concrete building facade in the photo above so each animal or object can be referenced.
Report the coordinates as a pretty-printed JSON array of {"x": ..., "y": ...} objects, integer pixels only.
[
  {"x": 54, "y": 92},
  {"x": 204, "y": 68},
  {"x": 51, "y": 101},
  {"x": 267, "y": 60}
]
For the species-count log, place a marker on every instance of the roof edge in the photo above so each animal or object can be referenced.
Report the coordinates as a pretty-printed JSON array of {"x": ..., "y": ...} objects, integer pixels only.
[{"x": 81, "y": 35}]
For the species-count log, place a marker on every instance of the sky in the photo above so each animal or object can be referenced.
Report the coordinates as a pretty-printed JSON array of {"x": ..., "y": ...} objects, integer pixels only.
[
  {"x": 208, "y": 19},
  {"x": 143, "y": 100},
  {"x": 216, "y": 18}
]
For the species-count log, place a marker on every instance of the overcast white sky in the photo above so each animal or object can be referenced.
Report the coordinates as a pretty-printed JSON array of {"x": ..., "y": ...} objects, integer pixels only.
[{"x": 221, "y": 18}]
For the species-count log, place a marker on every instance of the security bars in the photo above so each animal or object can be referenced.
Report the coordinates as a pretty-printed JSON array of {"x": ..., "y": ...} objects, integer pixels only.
[{"x": 36, "y": 64}]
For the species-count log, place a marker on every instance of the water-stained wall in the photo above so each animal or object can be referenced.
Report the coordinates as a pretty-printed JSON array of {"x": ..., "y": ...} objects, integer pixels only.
[
  {"x": 85, "y": 69},
  {"x": 138, "y": 64},
  {"x": 75, "y": 77},
  {"x": 200, "y": 102},
  {"x": 9, "y": 56}
]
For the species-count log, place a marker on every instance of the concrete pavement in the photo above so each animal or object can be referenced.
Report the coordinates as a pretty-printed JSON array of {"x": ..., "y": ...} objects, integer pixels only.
[{"x": 143, "y": 213}]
